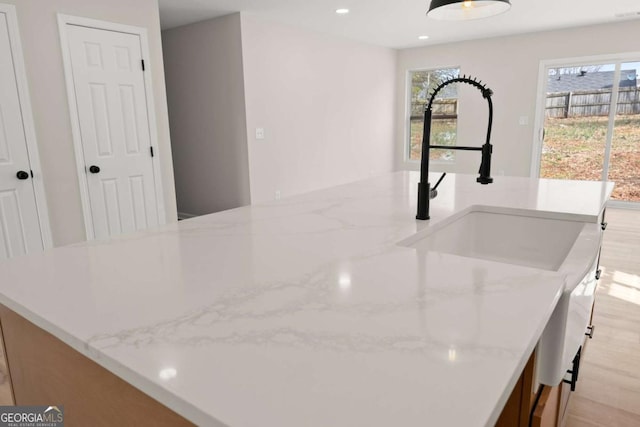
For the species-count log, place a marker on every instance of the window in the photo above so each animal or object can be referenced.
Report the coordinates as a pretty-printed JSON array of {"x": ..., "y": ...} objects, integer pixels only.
[{"x": 444, "y": 123}]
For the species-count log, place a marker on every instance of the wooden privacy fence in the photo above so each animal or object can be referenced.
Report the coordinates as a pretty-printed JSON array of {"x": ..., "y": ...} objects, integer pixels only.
[
  {"x": 591, "y": 103},
  {"x": 442, "y": 109}
]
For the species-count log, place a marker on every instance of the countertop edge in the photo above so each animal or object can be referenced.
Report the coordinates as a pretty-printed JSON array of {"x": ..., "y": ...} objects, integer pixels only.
[
  {"x": 497, "y": 410},
  {"x": 151, "y": 389}
]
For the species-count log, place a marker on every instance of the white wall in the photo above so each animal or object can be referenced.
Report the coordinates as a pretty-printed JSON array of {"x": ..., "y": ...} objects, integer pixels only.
[
  {"x": 326, "y": 104},
  {"x": 43, "y": 57},
  {"x": 509, "y": 66},
  {"x": 205, "y": 91}
]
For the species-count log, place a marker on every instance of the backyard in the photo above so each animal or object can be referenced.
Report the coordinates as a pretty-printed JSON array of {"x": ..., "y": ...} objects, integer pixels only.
[
  {"x": 574, "y": 149},
  {"x": 443, "y": 132}
]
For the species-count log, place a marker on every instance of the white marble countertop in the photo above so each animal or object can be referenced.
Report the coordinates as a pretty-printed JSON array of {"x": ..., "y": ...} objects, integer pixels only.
[{"x": 305, "y": 312}]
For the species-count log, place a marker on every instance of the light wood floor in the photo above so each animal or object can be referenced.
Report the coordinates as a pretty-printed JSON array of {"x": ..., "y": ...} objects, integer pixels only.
[
  {"x": 6, "y": 395},
  {"x": 608, "y": 389}
]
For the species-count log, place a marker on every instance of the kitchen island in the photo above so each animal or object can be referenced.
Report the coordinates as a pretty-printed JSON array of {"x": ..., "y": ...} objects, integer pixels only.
[{"x": 306, "y": 311}]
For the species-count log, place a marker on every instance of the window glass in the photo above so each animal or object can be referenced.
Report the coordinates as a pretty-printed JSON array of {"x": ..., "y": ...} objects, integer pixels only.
[{"x": 444, "y": 124}]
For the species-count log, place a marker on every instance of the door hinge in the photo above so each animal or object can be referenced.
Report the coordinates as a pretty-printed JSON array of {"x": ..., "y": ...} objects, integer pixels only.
[
  {"x": 142, "y": 61},
  {"x": 151, "y": 150},
  {"x": 31, "y": 173}
]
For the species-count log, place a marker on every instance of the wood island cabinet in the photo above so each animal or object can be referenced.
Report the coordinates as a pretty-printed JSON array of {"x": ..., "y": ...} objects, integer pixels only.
[{"x": 46, "y": 371}]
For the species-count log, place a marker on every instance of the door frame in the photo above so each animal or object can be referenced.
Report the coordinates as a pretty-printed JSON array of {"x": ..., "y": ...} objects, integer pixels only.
[
  {"x": 24, "y": 98},
  {"x": 63, "y": 21},
  {"x": 536, "y": 152}
]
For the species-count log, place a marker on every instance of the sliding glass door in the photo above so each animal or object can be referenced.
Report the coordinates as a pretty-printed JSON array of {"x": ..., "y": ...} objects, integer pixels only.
[
  {"x": 591, "y": 124},
  {"x": 623, "y": 166}
]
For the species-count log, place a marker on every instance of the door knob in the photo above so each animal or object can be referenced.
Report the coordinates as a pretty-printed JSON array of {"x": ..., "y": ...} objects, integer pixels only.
[
  {"x": 94, "y": 169},
  {"x": 22, "y": 175}
]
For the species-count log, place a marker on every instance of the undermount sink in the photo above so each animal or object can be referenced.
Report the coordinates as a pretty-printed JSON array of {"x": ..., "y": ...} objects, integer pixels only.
[
  {"x": 532, "y": 239},
  {"x": 504, "y": 235}
]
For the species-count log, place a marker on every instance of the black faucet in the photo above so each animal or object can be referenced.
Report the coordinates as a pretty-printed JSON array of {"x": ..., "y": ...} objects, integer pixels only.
[{"x": 425, "y": 192}]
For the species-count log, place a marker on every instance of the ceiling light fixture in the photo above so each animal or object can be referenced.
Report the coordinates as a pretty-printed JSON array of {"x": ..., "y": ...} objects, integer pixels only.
[
  {"x": 423, "y": 37},
  {"x": 342, "y": 11},
  {"x": 461, "y": 10}
]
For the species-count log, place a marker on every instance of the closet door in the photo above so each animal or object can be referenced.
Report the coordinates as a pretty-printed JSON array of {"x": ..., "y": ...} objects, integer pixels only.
[{"x": 20, "y": 231}]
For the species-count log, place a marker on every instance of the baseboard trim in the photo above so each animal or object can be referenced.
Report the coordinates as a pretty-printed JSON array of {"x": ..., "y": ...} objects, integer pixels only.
[
  {"x": 619, "y": 204},
  {"x": 184, "y": 215}
]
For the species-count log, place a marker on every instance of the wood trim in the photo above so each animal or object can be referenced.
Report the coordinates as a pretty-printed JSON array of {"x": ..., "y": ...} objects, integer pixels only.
[
  {"x": 518, "y": 407},
  {"x": 510, "y": 415},
  {"x": 46, "y": 371},
  {"x": 563, "y": 402},
  {"x": 528, "y": 396},
  {"x": 545, "y": 413}
]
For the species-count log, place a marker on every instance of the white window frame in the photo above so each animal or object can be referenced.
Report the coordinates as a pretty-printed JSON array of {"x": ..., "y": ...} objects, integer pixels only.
[{"x": 406, "y": 144}]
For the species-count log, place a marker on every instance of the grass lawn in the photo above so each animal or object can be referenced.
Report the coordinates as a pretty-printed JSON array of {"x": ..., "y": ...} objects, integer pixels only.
[{"x": 574, "y": 149}]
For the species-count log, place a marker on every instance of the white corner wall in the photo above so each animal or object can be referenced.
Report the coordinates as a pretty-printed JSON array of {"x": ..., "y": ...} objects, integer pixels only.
[
  {"x": 205, "y": 91},
  {"x": 509, "y": 66},
  {"x": 43, "y": 60},
  {"x": 326, "y": 105}
]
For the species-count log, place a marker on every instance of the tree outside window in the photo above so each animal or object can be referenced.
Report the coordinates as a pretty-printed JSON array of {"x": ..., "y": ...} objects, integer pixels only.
[{"x": 444, "y": 124}]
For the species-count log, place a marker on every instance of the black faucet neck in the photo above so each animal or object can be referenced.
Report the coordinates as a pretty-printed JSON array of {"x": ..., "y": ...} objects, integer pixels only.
[{"x": 424, "y": 187}]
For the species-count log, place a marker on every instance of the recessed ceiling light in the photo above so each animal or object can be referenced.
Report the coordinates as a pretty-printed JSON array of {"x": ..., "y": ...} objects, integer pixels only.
[
  {"x": 423, "y": 37},
  {"x": 342, "y": 11}
]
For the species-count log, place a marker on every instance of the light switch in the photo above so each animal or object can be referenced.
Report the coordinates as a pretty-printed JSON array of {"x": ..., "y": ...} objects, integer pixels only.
[
  {"x": 524, "y": 120},
  {"x": 259, "y": 133}
]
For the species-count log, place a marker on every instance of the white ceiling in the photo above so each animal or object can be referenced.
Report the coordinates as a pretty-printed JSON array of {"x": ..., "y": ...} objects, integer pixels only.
[{"x": 398, "y": 23}]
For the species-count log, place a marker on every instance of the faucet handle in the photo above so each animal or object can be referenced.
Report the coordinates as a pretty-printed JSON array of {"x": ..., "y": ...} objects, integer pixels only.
[
  {"x": 439, "y": 181},
  {"x": 434, "y": 192}
]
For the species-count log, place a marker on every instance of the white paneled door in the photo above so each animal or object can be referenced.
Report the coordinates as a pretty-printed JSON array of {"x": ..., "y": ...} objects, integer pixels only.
[
  {"x": 20, "y": 231},
  {"x": 111, "y": 105}
]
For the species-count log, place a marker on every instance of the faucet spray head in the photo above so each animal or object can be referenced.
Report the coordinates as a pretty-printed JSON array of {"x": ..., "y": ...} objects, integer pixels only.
[{"x": 485, "y": 165}]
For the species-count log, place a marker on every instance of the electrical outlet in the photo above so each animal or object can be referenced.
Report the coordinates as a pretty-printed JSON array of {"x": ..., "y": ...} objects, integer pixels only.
[
  {"x": 524, "y": 120},
  {"x": 277, "y": 195},
  {"x": 259, "y": 133}
]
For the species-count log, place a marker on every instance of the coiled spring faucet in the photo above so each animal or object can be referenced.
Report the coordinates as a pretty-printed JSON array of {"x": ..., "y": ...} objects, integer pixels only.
[{"x": 425, "y": 192}]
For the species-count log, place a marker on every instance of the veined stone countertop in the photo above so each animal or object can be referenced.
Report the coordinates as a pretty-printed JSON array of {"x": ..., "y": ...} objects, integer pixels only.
[{"x": 305, "y": 311}]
